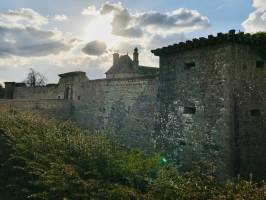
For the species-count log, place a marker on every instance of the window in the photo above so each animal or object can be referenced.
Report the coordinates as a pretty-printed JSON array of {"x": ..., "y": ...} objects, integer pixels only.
[
  {"x": 78, "y": 97},
  {"x": 260, "y": 64},
  {"x": 189, "y": 110},
  {"x": 59, "y": 97},
  {"x": 189, "y": 65},
  {"x": 255, "y": 112}
]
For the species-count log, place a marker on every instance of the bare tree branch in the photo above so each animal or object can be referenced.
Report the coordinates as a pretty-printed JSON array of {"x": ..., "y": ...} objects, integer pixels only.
[{"x": 35, "y": 79}]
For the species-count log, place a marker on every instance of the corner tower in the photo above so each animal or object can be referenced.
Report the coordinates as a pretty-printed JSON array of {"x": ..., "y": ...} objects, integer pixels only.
[{"x": 212, "y": 103}]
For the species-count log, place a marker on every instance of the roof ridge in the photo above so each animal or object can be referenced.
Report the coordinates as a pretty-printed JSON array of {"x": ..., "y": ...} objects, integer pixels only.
[{"x": 231, "y": 36}]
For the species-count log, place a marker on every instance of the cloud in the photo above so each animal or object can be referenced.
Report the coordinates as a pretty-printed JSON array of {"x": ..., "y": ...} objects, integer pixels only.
[
  {"x": 26, "y": 42},
  {"x": 21, "y": 35},
  {"x": 90, "y": 10},
  {"x": 130, "y": 24},
  {"x": 128, "y": 32},
  {"x": 30, "y": 42},
  {"x": 259, "y": 3},
  {"x": 127, "y": 47},
  {"x": 157, "y": 41},
  {"x": 60, "y": 18},
  {"x": 23, "y": 16},
  {"x": 108, "y": 7},
  {"x": 95, "y": 48},
  {"x": 256, "y": 20},
  {"x": 179, "y": 20},
  {"x": 122, "y": 19}
]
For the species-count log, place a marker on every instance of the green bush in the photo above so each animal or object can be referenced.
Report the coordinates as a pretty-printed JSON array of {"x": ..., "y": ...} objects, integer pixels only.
[
  {"x": 42, "y": 159},
  {"x": 46, "y": 160}
]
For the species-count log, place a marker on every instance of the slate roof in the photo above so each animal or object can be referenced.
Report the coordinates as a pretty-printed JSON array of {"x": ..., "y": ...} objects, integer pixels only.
[
  {"x": 221, "y": 38},
  {"x": 126, "y": 65}
]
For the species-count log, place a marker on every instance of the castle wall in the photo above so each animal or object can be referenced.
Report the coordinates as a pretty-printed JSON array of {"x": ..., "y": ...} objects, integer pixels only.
[
  {"x": 88, "y": 100},
  {"x": 124, "y": 108},
  {"x": 194, "y": 123},
  {"x": 248, "y": 95},
  {"x": 54, "y": 91},
  {"x": 121, "y": 75},
  {"x": 47, "y": 92},
  {"x": 58, "y": 109}
]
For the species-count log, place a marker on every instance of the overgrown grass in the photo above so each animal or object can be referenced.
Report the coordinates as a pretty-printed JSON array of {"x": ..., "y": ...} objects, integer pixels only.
[{"x": 43, "y": 159}]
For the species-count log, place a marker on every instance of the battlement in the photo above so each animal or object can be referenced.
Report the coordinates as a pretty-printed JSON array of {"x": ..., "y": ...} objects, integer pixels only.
[{"x": 220, "y": 38}]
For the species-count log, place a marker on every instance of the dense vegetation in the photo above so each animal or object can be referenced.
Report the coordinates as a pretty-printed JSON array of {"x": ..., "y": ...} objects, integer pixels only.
[
  {"x": 260, "y": 37},
  {"x": 42, "y": 159}
]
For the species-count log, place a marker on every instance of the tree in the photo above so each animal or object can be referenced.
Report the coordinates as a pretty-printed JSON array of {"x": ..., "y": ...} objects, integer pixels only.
[
  {"x": 260, "y": 38},
  {"x": 35, "y": 79}
]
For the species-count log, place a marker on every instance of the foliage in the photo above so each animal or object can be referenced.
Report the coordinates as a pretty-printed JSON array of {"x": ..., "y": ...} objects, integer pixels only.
[
  {"x": 244, "y": 190},
  {"x": 35, "y": 79},
  {"x": 260, "y": 38},
  {"x": 42, "y": 160}
]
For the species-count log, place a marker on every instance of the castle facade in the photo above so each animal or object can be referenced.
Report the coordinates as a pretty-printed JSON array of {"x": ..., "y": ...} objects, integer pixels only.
[{"x": 205, "y": 103}]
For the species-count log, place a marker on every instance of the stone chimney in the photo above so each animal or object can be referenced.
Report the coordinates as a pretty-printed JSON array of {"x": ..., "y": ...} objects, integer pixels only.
[
  {"x": 115, "y": 58},
  {"x": 136, "y": 56}
]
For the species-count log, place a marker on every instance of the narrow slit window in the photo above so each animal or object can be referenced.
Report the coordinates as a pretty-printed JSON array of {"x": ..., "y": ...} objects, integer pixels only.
[
  {"x": 189, "y": 66},
  {"x": 255, "y": 113},
  {"x": 189, "y": 110},
  {"x": 260, "y": 64}
]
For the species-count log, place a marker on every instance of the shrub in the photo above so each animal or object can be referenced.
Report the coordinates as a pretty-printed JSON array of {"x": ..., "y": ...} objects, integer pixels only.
[
  {"x": 42, "y": 159},
  {"x": 46, "y": 160}
]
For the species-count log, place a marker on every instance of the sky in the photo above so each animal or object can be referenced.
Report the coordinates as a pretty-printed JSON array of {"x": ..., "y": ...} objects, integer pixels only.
[{"x": 54, "y": 37}]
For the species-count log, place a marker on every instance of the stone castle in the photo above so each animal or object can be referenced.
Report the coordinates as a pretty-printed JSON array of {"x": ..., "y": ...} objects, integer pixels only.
[{"x": 206, "y": 102}]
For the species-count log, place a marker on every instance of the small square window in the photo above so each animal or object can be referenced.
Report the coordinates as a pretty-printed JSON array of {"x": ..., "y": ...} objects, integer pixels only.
[
  {"x": 189, "y": 110},
  {"x": 189, "y": 65},
  {"x": 260, "y": 64},
  {"x": 255, "y": 112},
  {"x": 78, "y": 97}
]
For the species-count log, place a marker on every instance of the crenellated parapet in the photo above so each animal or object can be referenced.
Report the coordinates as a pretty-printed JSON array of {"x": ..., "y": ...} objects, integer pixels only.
[{"x": 220, "y": 38}]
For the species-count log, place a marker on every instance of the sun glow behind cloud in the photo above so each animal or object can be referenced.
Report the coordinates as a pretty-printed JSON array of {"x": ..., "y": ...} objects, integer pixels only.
[
  {"x": 85, "y": 41},
  {"x": 100, "y": 28}
]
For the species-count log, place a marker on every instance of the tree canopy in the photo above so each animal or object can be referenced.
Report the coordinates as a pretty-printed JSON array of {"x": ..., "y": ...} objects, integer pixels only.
[{"x": 35, "y": 79}]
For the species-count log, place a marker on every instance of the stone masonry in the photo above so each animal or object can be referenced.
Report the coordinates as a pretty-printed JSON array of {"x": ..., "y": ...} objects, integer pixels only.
[
  {"x": 212, "y": 104},
  {"x": 123, "y": 105},
  {"x": 205, "y": 104}
]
